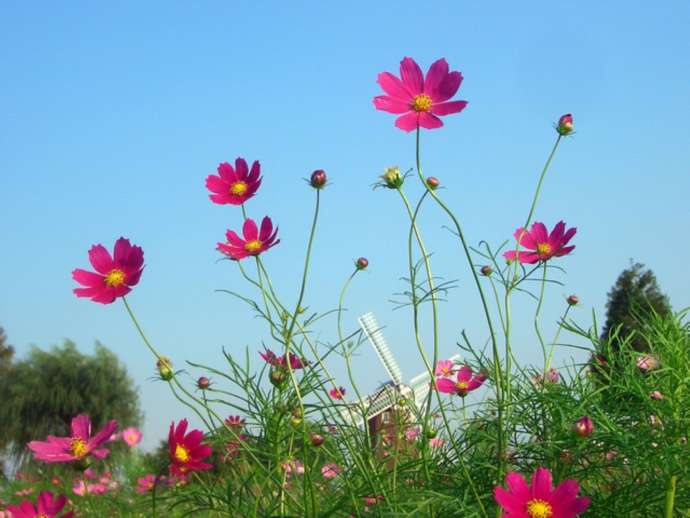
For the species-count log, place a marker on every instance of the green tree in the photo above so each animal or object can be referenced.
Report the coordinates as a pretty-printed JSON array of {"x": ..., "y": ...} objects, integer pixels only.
[
  {"x": 6, "y": 352},
  {"x": 633, "y": 299},
  {"x": 42, "y": 393}
]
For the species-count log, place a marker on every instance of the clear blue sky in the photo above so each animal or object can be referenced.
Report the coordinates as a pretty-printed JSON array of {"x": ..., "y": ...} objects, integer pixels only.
[{"x": 113, "y": 114}]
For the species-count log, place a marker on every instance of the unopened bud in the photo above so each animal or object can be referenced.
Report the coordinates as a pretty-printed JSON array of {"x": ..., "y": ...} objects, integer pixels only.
[
  {"x": 392, "y": 178},
  {"x": 656, "y": 395},
  {"x": 432, "y": 183},
  {"x": 361, "y": 263},
  {"x": 431, "y": 433},
  {"x": 572, "y": 300},
  {"x": 317, "y": 439},
  {"x": 565, "y": 125},
  {"x": 164, "y": 366},
  {"x": 278, "y": 377},
  {"x": 203, "y": 383},
  {"x": 318, "y": 179},
  {"x": 486, "y": 270},
  {"x": 583, "y": 427}
]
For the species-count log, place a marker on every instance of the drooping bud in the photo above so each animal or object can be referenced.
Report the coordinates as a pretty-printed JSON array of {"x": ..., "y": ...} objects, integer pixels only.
[
  {"x": 164, "y": 366},
  {"x": 317, "y": 439},
  {"x": 203, "y": 383},
  {"x": 572, "y": 300},
  {"x": 565, "y": 125},
  {"x": 583, "y": 427},
  {"x": 486, "y": 270},
  {"x": 432, "y": 183},
  {"x": 361, "y": 263},
  {"x": 392, "y": 178},
  {"x": 318, "y": 179}
]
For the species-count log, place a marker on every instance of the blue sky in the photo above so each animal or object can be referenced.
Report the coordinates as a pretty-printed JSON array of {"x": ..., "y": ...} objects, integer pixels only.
[{"x": 113, "y": 115}]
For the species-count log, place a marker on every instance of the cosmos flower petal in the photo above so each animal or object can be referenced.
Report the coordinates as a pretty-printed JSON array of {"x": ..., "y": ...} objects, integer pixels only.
[
  {"x": 100, "y": 259},
  {"x": 266, "y": 229},
  {"x": 394, "y": 87},
  {"x": 391, "y": 105},
  {"x": 429, "y": 120},
  {"x": 249, "y": 230},
  {"x": 542, "y": 486},
  {"x": 448, "y": 108},
  {"x": 241, "y": 168},
  {"x": 448, "y": 87},
  {"x": 86, "y": 278},
  {"x": 434, "y": 77},
  {"x": 407, "y": 122},
  {"x": 446, "y": 386},
  {"x": 412, "y": 76},
  {"x": 81, "y": 427}
]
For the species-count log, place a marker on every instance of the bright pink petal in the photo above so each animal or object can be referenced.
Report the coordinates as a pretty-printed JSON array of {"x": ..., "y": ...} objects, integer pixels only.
[
  {"x": 81, "y": 427},
  {"x": 23, "y": 510},
  {"x": 266, "y": 228},
  {"x": 464, "y": 373},
  {"x": 103, "y": 435},
  {"x": 407, "y": 122},
  {"x": 121, "y": 251},
  {"x": 526, "y": 240},
  {"x": 448, "y": 108},
  {"x": 241, "y": 168},
  {"x": 254, "y": 172},
  {"x": 133, "y": 278},
  {"x": 234, "y": 239},
  {"x": 565, "y": 250},
  {"x": 475, "y": 383},
  {"x": 390, "y": 105},
  {"x": 517, "y": 485},
  {"x": 509, "y": 502},
  {"x": 217, "y": 185},
  {"x": 569, "y": 235},
  {"x": 100, "y": 453},
  {"x": 394, "y": 87},
  {"x": 429, "y": 120},
  {"x": 49, "y": 505},
  {"x": 436, "y": 74},
  {"x": 446, "y": 386},
  {"x": 86, "y": 278},
  {"x": 448, "y": 87},
  {"x": 227, "y": 172},
  {"x": 542, "y": 486},
  {"x": 249, "y": 230},
  {"x": 539, "y": 232},
  {"x": 193, "y": 439},
  {"x": 557, "y": 234},
  {"x": 412, "y": 76},
  {"x": 100, "y": 259}
]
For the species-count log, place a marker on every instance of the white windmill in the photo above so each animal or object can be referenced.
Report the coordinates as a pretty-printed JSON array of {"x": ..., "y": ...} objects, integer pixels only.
[{"x": 380, "y": 408}]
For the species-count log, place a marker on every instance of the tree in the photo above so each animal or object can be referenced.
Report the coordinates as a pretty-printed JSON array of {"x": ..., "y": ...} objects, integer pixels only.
[
  {"x": 6, "y": 352},
  {"x": 632, "y": 300},
  {"x": 42, "y": 393}
]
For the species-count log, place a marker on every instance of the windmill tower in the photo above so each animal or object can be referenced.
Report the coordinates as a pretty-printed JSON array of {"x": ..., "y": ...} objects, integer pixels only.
[{"x": 382, "y": 410}]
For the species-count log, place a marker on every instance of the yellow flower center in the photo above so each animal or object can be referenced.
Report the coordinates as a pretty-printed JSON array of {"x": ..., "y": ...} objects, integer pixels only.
[
  {"x": 41, "y": 516},
  {"x": 421, "y": 103},
  {"x": 462, "y": 385},
  {"x": 78, "y": 447},
  {"x": 539, "y": 509},
  {"x": 544, "y": 248},
  {"x": 114, "y": 278},
  {"x": 252, "y": 246},
  {"x": 182, "y": 453},
  {"x": 238, "y": 188}
]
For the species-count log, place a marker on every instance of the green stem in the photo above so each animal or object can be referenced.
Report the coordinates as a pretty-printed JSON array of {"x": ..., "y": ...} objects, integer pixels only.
[
  {"x": 670, "y": 496},
  {"x": 536, "y": 318}
]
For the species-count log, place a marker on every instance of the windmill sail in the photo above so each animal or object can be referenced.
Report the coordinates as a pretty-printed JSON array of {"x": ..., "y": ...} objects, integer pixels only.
[{"x": 373, "y": 331}]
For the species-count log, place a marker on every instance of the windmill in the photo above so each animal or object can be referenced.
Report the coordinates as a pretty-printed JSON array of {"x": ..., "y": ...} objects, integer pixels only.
[{"x": 382, "y": 409}]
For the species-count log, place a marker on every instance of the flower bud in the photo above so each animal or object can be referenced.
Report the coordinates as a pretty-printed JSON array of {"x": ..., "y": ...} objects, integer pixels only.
[
  {"x": 565, "y": 125},
  {"x": 432, "y": 183},
  {"x": 656, "y": 395},
  {"x": 647, "y": 363},
  {"x": 164, "y": 366},
  {"x": 431, "y": 433},
  {"x": 486, "y": 270},
  {"x": 572, "y": 300},
  {"x": 392, "y": 178},
  {"x": 278, "y": 377},
  {"x": 361, "y": 263},
  {"x": 318, "y": 179},
  {"x": 583, "y": 427},
  {"x": 203, "y": 383},
  {"x": 317, "y": 439}
]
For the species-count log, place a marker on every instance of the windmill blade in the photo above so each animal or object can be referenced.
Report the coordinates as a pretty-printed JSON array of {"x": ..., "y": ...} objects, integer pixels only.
[
  {"x": 371, "y": 328},
  {"x": 421, "y": 384}
]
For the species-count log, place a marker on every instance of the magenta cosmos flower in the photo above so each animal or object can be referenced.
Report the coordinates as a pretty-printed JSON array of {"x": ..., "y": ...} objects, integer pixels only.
[
  {"x": 445, "y": 368},
  {"x": 79, "y": 445},
  {"x": 542, "y": 245},
  {"x": 255, "y": 241},
  {"x": 235, "y": 185},
  {"x": 186, "y": 449},
  {"x": 540, "y": 500},
  {"x": 114, "y": 276},
  {"x": 420, "y": 99},
  {"x": 279, "y": 361},
  {"x": 337, "y": 393},
  {"x": 47, "y": 507},
  {"x": 466, "y": 382},
  {"x": 132, "y": 436}
]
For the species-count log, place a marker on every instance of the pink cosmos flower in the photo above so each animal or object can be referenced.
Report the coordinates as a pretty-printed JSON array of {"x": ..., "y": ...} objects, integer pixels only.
[
  {"x": 146, "y": 483},
  {"x": 293, "y": 467},
  {"x": 540, "y": 500},
  {"x": 132, "y": 436},
  {"x": 436, "y": 442},
  {"x": 279, "y": 361},
  {"x": 542, "y": 245},
  {"x": 420, "y": 99},
  {"x": 235, "y": 421},
  {"x": 255, "y": 241},
  {"x": 47, "y": 507},
  {"x": 337, "y": 393},
  {"x": 466, "y": 382},
  {"x": 234, "y": 186},
  {"x": 444, "y": 368},
  {"x": 114, "y": 276},
  {"x": 76, "y": 447},
  {"x": 330, "y": 470},
  {"x": 411, "y": 434},
  {"x": 186, "y": 449},
  {"x": 647, "y": 363}
]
